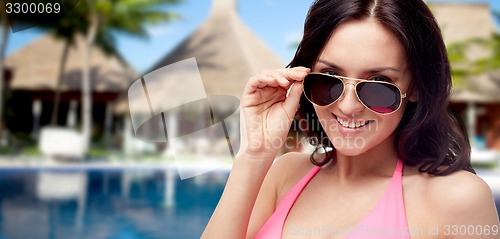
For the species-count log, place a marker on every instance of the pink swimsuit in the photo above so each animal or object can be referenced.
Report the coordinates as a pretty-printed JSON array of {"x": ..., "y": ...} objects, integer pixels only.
[{"x": 386, "y": 220}]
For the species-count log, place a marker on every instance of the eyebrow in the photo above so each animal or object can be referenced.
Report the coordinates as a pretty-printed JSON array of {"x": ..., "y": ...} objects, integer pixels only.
[{"x": 374, "y": 70}]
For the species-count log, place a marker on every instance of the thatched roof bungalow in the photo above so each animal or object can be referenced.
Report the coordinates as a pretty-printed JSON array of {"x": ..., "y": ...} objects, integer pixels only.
[
  {"x": 227, "y": 53},
  {"x": 477, "y": 101},
  {"x": 35, "y": 75}
]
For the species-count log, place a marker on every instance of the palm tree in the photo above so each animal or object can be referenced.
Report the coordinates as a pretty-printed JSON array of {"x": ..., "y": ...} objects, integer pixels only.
[
  {"x": 462, "y": 67},
  {"x": 66, "y": 26},
  {"x": 493, "y": 61},
  {"x": 3, "y": 45},
  {"x": 103, "y": 18}
]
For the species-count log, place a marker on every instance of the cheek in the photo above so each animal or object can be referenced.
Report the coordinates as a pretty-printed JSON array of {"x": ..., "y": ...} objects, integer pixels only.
[
  {"x": 323, "y": 113},
  {"x": 325, "y": 118},
  {"x": 398, "y": 115},
  {"x": 391, "y": 122}
]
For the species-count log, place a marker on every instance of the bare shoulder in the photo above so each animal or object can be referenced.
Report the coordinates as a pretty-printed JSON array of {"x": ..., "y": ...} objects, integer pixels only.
[
  {"x": 460, "y": 188},
  {"x": 293, "y": 161},
  {"x": 460, "y": 197},
  {"x": 291, "y": 165},
  {"x": 288, "y": 169}
]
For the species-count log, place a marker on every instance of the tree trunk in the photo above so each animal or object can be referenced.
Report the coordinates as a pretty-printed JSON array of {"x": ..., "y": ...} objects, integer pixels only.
[
  {"x": 3, "y": 45},
  {"x": 86, "y": 84},
  {"x": 60, "y": 77}
]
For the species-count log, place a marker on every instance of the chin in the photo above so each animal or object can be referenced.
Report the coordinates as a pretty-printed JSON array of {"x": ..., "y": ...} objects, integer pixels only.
[{"x": 350, "y": 151}]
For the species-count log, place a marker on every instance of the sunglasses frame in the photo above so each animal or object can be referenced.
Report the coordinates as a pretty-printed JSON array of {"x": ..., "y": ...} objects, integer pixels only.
[{"x": 342, "y": 79}]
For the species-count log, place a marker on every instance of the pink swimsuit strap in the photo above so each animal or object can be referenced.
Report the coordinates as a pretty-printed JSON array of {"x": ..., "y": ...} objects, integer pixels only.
[{"x": 386, "y": 220}]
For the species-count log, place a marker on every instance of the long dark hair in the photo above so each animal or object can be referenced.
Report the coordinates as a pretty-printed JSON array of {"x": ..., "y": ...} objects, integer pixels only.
[{"x": 427, "y": 135}]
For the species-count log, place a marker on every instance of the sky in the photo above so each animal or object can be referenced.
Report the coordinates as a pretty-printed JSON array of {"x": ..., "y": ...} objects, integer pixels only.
[{"x": 277, "y": 22}]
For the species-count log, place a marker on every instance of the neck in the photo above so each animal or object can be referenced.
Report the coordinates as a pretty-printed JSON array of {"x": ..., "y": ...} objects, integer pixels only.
[{"x": 378, "y": 161}]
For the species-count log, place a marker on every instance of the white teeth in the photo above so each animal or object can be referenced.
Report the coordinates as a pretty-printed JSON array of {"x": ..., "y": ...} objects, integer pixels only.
[{"x": 351, "y": 124}]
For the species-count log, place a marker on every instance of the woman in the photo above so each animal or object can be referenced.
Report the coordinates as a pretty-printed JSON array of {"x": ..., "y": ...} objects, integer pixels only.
[{"x": 390, "y": 162}]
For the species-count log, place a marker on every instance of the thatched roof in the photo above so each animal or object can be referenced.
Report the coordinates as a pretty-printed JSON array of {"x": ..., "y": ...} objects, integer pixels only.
[
  {"x": 462, "y": 21},
  {"x": 227, "y": 51},
  {"x": 484, "y": 88},
  {"x": 465, "y": 21},
  {"x": 35, "y": 67}
]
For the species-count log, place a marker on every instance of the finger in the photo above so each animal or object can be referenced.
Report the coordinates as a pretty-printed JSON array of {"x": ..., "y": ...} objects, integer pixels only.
[
  {"x": 280, "y": 77},
  {"x": 282, "y": 81},
  {"x": 267, "y": 78},
  {"x": 292, "y": 101},
  {"x": 262, "y": 81},
  {"x": 294, "y": 74},
  {"x": 301, "y": 68}
]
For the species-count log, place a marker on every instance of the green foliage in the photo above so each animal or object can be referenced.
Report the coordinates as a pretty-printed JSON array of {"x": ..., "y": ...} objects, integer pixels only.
[
  {"x": 492, "y": 62},
  {"x": 456, "y": 56},
  {"x": 125, "y": 16},
  {"x": 31, "y": 150},
  {"x": 462, "y": 67},
  {"x": 98, "y": 152}
]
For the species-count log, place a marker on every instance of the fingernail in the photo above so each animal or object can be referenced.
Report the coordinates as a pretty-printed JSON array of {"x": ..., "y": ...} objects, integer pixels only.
[{"x": 304, "y": 69}]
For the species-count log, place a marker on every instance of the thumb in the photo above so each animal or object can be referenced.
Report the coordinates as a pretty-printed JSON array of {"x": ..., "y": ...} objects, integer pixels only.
[{"x": 292, "y": 101}]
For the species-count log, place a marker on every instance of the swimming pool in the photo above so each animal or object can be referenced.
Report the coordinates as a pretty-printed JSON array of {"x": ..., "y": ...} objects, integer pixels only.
[
  {"x": 114, "y": 203},
  {"x": 111, "y": 204}
]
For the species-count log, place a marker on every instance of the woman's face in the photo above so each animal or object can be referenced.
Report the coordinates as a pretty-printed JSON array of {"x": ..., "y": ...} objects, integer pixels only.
[{"x": 361, "y": 49}]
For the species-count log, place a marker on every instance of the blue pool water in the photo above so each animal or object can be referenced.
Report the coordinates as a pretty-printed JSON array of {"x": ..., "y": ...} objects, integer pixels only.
[{"x": 110, "y": 204}]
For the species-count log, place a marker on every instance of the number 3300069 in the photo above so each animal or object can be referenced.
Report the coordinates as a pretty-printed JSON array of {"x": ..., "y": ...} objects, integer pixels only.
[
  {"x": 32, "y": 8},
  {"x": 470, "y": 230}
]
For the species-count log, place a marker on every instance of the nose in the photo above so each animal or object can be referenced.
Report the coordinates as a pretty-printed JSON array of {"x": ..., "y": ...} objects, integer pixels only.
[{"x": 349, "y": 103}]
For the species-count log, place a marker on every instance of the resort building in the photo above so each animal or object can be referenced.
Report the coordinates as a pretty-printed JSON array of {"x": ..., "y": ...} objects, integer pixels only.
[
  {"x": 476, "y": 101},
  {"x": 34, "y": 80}
]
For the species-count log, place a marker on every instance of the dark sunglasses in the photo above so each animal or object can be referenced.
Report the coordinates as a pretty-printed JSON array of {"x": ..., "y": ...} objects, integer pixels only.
[{"x": 378, "y": 96}]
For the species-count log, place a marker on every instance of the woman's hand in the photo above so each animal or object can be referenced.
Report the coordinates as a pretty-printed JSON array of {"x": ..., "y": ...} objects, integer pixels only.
[{"x": 268, "y": 111}]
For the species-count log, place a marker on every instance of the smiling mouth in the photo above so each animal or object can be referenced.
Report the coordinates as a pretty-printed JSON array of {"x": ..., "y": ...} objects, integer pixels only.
[{"x": 352, "y": 124}]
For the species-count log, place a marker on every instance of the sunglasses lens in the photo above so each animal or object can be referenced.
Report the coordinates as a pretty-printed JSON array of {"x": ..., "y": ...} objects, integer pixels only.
[
  {"x": 322, "y": 89},
  {"x": 380, "y": 97}
]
